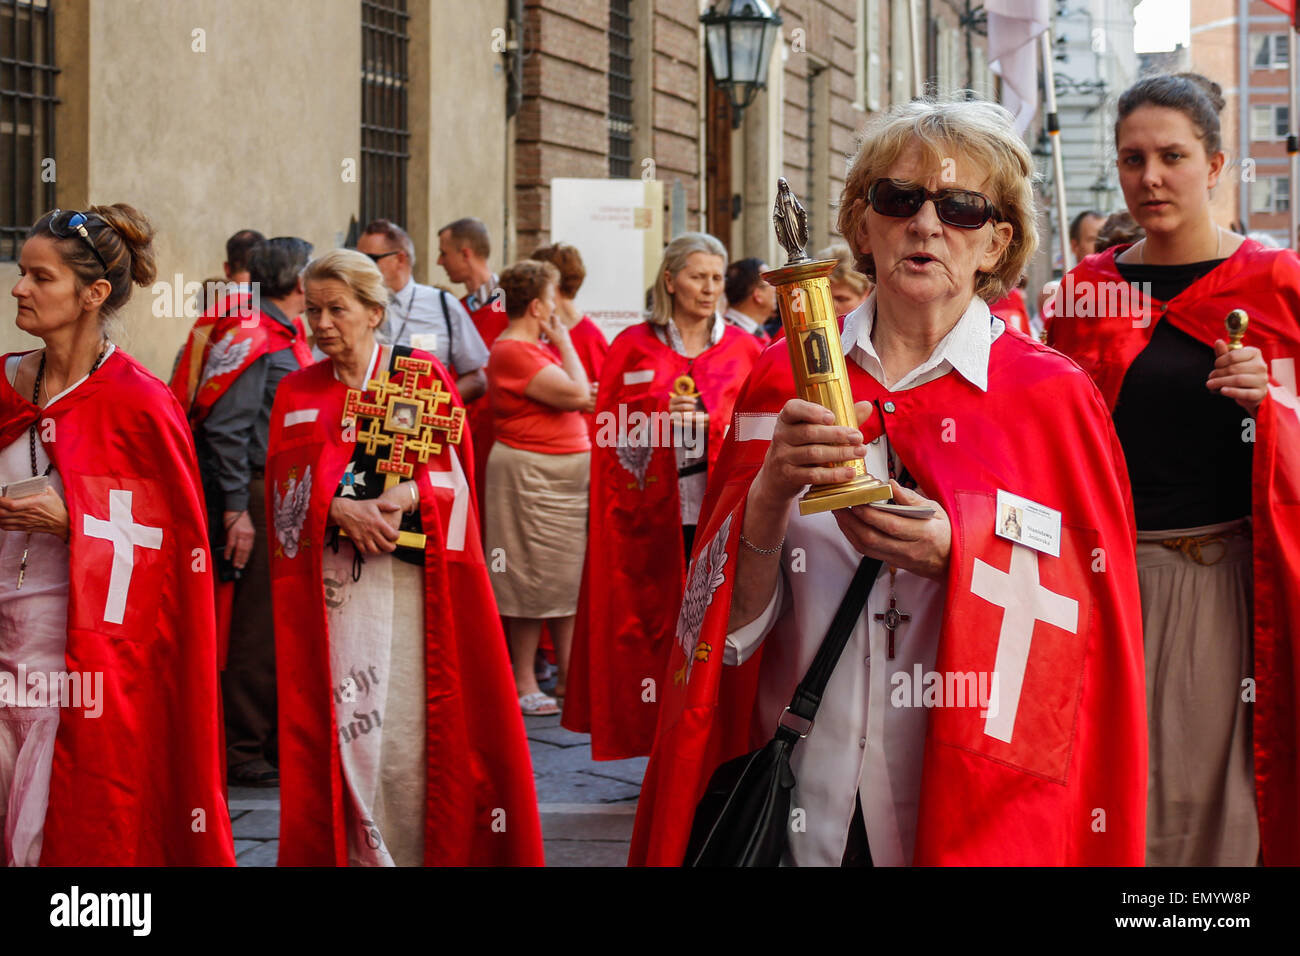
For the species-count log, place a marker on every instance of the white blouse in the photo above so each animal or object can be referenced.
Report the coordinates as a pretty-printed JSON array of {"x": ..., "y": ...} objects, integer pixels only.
[{"x": 861, "y": 743}]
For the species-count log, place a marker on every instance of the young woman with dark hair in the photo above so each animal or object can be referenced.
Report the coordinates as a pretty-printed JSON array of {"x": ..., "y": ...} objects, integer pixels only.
[{"x": 1210, "y": 433}]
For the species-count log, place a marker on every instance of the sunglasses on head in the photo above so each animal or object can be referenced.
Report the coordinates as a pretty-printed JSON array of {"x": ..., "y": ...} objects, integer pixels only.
[
  {"x": 376, "y": 256},
  {"x": 64, "y": 224},
  {"x": 963, "y": 208}
]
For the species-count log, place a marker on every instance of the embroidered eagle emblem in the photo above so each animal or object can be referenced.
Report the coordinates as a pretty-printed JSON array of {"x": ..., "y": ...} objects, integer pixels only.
[
  {"x": 291, "y": 511},
  {"x": 635, "y": 458},
  {"x": 225, "y": 356},
  {"x": 705, "y": 577}
]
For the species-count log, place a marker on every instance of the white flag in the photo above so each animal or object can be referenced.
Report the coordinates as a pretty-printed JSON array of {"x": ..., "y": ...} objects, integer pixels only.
[{"x": 1014, "y": 28}]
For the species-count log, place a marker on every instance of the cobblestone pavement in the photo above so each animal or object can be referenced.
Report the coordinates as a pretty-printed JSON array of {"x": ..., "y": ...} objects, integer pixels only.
[{"x": 586, "y": 807}]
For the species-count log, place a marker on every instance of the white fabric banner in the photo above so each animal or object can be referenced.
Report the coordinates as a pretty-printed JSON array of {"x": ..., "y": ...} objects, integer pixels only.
[{"x": 1014, "y": 28}]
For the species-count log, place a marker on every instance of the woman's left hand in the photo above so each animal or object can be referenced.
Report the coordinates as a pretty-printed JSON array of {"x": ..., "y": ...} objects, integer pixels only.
[
  {"x": 1239, "y": 374},
  {"x": 686, "y": 410},
  {"x": 919, "y": 545},
  {"x": 38, "y": 514}
]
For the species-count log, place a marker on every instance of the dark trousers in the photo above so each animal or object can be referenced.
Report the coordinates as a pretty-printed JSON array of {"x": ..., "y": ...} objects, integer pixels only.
[
  {"x": 248, "y": 682},
  {"x": 856, "y": 850}
]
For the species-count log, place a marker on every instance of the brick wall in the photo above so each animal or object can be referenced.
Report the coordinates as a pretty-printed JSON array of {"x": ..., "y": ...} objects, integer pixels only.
[
  {"x": 562, "y": 125},
  {"x": 561, "y": 128},
  {"x": 1213, "y": 52},
  {"x": 1267, "y": 87}
]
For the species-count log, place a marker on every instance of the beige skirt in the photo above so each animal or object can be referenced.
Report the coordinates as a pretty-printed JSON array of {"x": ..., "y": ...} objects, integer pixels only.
[
  {"x": 1198, "y": 641},
  {"x": 536, "y": 530}
]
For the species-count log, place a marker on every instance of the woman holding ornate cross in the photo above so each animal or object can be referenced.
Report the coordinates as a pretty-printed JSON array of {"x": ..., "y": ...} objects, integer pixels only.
[{"x": 400, "y": 740}]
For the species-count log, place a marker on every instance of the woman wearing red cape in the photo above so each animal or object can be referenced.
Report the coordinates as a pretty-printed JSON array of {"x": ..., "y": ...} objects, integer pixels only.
[{"x": 401, "y": 741}]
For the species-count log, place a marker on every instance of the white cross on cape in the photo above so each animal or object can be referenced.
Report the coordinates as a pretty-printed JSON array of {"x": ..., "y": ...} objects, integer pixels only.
[
  {"x": 1026, "y": 602},
  {"x": 126, "y": 535}
]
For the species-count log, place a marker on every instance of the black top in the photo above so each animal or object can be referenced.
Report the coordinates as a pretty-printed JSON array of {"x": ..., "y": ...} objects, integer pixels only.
[
  {"x": 1162, "y": 283},
  {"x": 1187, "y": 459}
]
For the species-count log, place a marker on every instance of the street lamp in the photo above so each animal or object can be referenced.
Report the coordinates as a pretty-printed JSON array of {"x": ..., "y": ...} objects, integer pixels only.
[{"x": 739, "y": 35}]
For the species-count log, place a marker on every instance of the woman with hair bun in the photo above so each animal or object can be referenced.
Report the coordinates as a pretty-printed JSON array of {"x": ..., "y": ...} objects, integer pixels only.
[
  {"x": 1212, "y": 442},
  {"x": 109, "y": 747},
  {"x": 401, "y": 742}
]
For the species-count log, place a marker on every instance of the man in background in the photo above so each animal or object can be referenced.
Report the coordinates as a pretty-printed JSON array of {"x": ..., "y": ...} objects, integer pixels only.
[
  {"x": 250, "y": 349},
  {"x": 237, "y": 248},
  {"x": 421, "y": 316},
  {"x": 751, "y": 300},
  {"x": 1083, "y": 233},
  {"x": 463, "y": 251}
]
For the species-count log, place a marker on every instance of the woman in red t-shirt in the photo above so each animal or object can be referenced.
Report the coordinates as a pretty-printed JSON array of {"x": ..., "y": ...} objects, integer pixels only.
[{"x": 537, "y": 477}]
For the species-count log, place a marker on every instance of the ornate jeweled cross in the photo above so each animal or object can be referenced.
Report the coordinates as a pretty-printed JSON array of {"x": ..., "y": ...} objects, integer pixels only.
[
  {"x": 402, "y": 417},
  {"x": 892, "y": 618}
]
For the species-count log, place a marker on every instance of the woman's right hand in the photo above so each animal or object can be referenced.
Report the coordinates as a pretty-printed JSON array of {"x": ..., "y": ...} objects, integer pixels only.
[
  {"x": 805, "y": 444},
  {"x": 554, "y": 328},
  {"x": 367, "y": 523}
]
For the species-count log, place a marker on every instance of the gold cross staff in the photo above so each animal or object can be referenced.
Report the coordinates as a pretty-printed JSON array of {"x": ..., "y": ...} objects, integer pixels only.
[{"x": 403, "y": 418}]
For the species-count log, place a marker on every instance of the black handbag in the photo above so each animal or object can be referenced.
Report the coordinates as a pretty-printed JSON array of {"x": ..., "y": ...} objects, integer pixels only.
[{"x": 743, "y": 818}]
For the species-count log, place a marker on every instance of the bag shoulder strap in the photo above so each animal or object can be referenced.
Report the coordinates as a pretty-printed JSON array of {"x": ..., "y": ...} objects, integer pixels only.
[
  {"x": 808, "y": 695},
  {"x": 451, "y": 335}
]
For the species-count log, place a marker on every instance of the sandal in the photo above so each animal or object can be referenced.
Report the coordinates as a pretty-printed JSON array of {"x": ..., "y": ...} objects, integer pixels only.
[{"x": 538, "y": 704}]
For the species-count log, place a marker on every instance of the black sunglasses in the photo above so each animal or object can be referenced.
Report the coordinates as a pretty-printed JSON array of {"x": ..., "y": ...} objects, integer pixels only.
[
  {"x": 376, "y": 256},
  {"x": 963, "y": 208},
  {"x": 69, "y": 223}
]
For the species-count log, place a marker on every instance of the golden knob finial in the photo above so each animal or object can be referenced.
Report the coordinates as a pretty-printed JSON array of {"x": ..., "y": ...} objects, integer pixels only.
[{"x": 1236, "y": 323}]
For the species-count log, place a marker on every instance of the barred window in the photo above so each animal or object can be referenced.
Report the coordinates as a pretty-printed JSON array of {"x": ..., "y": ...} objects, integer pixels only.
[
  {"x": 620, "y": 89},
  {"x": 385, "y": 131},
  {"x": 26, "y": 118}
]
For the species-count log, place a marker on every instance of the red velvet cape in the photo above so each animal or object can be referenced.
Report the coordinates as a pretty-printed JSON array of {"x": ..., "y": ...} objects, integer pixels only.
[
  {"x": 478, "y": 762},
  {"x": 1079, "y": 732},
  {"x": 142, "y": 784},
  {"x": 1103, "y": 328},
  {"x": 244, "y": 334},
  {"x": 632, "y": 581}
]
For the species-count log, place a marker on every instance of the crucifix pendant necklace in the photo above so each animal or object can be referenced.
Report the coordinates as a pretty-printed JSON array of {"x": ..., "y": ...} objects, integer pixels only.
[
  {"x": 892, "y": 615},
  {"x": 31, "y": 444}
]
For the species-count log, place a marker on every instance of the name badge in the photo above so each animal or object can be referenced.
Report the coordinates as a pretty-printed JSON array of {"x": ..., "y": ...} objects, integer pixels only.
[
  {"x": 425, "y": 341},
  {"x": 1029, "y": 523}
]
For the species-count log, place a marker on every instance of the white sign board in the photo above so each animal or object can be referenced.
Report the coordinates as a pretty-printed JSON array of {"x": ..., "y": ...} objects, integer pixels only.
[{"x": 617, "y": 225}]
